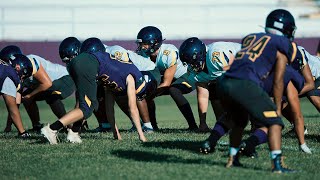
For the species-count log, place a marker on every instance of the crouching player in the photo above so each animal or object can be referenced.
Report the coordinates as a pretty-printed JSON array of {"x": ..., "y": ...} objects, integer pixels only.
[
  {"x": 147, "y": 68},
  {"x": 48, "y": 81},
  {"x": 119, "y": 77},
  {"x": 9, "y": 84},
  {"x": 218, "y": 57}
]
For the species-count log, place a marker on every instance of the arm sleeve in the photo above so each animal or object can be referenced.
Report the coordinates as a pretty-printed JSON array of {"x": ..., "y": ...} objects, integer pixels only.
[
  {"x": 142, "y": 63},
  {"x": 9, "y": 88}
]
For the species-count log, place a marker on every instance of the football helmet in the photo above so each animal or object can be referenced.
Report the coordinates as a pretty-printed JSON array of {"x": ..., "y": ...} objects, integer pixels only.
[
  {"x": 22, "y": 65},
  {"x": 193, "y": 52},
  {"x": 151, "y": 36},
  {"x": 283, "y": 21},
  {"x": 92, "y": 45},
  {"x": 6, "y": 54},
  {"x": 69, "y": 48}
]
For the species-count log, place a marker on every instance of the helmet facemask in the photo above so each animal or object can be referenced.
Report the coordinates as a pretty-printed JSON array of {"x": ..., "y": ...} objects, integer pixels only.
[{"x": 153, "y": 46}]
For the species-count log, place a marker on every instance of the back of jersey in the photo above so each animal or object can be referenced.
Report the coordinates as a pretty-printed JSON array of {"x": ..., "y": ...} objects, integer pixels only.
[
  {"x": 7, "y": 71},
  {"x": 258, "y": 55}
]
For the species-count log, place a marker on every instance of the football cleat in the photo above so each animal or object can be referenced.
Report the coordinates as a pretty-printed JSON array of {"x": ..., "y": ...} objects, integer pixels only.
[
  {"x": 233, "y": 161},
  {"x": 36, "y": 128},
  {"x": 244, "y": 151},
  {"x": 278, "y": 165},
  {"x": 24, "y": 135},
  {"x": 147, "y": 130},
  {"x": 292, "y": 131},
  {"x": 133, "y": 129},
  {"x": 193, "y": 129},
  {"x": 73, "y": 137},
  {"x": 207, "y": 147},
  {"x": 49, "y": 134}
]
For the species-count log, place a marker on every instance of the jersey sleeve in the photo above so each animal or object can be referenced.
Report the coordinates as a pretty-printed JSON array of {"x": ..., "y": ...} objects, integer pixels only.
[
  {"x": 142, "y": 63},
  {"x": 118, "y": 53},
  {"x": 9, "y": 88},
  {"x": 170, "y": 57},
  {"x": 35, "y": 63}
]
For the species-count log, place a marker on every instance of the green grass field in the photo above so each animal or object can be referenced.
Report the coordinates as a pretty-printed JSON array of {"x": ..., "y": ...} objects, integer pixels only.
[{"x": 171, "y": 153}]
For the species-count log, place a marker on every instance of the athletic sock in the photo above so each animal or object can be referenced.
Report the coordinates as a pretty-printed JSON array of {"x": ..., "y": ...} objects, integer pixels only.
[
  {"x": 233, "y": 151},
  {"x": 56, "y": 125},
  {"x": 217, "y": 132},
  {"x": 273, "y": 154},
  {"x": 258, "y": 137},
  {"x": 76, "y": 126},
  {"x": 187, "y": 113},
  {"x": 148, "y": 125}
]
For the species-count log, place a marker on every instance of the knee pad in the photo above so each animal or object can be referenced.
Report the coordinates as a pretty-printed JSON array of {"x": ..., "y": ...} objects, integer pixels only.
[{"x": 86, "y": 110}]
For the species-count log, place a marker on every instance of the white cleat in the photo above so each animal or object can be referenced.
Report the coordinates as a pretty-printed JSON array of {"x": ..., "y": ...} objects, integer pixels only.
[
  {"x": 49, "y": 134},
  {"x": 305, "y": 148},
  {"x": 73, "y": 137}
]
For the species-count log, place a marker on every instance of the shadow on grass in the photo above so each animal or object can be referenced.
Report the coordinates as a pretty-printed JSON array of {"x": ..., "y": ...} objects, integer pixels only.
[
  {"x": 165, "y": 130},
  {"x": 160, "y": 158},
  {"x": 144, "y": 156},
  {"x": 192, "y": 146},
  {"x": 313, "y": 137}
]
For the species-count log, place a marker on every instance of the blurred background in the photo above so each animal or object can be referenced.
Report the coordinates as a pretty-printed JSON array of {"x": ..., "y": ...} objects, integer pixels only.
[{"x": 38, "y": 26}]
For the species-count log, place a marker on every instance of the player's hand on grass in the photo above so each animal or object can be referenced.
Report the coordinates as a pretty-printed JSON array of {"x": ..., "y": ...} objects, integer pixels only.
[
  {"x": 143, "y": 138},
  {"x": 305, "y": 148}
]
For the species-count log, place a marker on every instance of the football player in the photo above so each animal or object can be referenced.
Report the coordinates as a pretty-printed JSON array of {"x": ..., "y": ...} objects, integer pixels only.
[
  {"x": 175, "y": 81},
  {"x": 261, "y": 54},
  {"x": 118, "y": 77},
  {"x": 10, "y": 84},
  {"x": 292, "y": 112},
  {"x": 314, "y": 64},
  {"x": 144, "y": 65},
  {"x": 48, "y": 81},
  {"x": 218, "y": 57}
]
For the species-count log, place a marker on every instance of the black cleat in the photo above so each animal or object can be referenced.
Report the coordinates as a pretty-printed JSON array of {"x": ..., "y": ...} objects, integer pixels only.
[
  {"x": 245, "y": 151},
  {"x": 193, "y": 129},
  {"x": 278, "y": 165},
  {"x": 24, "y": 135},
  {"x": 233, "y": 161},
  {"x": 207, "y": 147},
  {"x": 36, "y": 128}
]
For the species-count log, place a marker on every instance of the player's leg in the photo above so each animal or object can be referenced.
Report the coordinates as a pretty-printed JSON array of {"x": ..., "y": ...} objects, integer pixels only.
[
  {"x": 203, "y": 101},
  {"x": 83, "y": 71},
  {"x": 60, "y": 89},
  {"x": 100, "y": 113},
  {"x": 259, "y": 105},
  {"x": 179, "y": 87},
  {"x": 33, "y": 112},
  {"x": 314, "y": 95},
  {"x": 248, "y": 146},
  {"x": 153, "y": 79},
  {"x": 221, "y": 127}
]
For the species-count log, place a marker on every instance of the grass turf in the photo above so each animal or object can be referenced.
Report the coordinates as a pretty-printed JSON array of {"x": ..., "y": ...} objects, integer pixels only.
[{"x": 171, "y": 153}]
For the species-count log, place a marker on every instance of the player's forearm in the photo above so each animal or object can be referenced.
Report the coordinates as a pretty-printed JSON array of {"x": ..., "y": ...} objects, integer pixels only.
[
  {"x": 278, "y": 92},
  {"x": 16, "y": 118},
  {"x": 40, "y": 88}
]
